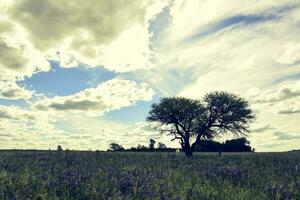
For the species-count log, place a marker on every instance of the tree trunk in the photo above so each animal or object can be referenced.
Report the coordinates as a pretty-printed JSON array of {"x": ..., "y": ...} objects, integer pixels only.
[
  {"x": 188, "y": 151},
  {"x": 187, "y": 148}
]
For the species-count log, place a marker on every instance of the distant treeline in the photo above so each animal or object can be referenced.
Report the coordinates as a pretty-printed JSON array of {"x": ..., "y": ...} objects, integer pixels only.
[
  {"x": 160, "y": 147},
  {"x": 234, "y": 145}
]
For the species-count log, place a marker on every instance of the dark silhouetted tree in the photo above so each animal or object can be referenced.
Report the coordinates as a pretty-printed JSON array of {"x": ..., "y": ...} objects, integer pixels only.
[
  {"x": 59, "y": 148},
  {"x": 233, "y": 145},
  {"x": 115, "y": 147},
  {"x": 208, "y": 146},
  {"x": 141, "y": 147},
  {"x": 192, "y": 121},
  {"x": 161, "y": 145},
  {"x": 151, "y": 144},
  {"x": 237, "y": 145}
]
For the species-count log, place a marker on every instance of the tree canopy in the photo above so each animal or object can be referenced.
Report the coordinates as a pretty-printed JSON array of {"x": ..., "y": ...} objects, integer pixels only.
[
  {"x": 233, "y": 145},
  {"x": 191, "y": 121},
  {"x": 115, "y": 147},
  {"x": 151, "y": 143}
]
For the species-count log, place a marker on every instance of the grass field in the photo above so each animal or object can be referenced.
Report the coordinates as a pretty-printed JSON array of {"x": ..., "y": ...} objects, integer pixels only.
[{"x": 100, "y": 175}]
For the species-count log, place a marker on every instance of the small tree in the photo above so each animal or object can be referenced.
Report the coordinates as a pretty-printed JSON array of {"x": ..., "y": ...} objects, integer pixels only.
[
  {"x": 151, "y": 144},
  {"x": 192, "y": 121},
  {"x": 161, "y": 145},
  {"x": 115, "y": 147},
  {"x": 237, "y": 145},
  {"x": 59, "y": 148}
]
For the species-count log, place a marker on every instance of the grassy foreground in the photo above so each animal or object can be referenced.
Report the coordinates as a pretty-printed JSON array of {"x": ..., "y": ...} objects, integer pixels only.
[{"x": 92, "y": 175}]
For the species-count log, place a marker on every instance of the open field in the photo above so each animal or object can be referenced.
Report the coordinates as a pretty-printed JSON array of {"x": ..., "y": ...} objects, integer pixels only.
[{"x": 101, "y": 175}]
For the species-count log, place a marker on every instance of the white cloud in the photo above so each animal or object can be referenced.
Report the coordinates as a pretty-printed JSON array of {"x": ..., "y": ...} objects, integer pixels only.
[
  {"x": 289, "y": 111},
  {"x": 18, "y": 58},
  {"x": 80, "y": 133},
  {"x": 109, "y": 33},
  {"x": 284, "y": 92},
  {"x": 275, "y": 140},
  {"x": 130, "y": 51},
  {"x": 101, "y": 132},
  {"x": 279, "y": 108},
  {"x": 10, "y": 90},
  {"x": 108, "y": 96},
  {"x": 190, "y": 17},
  {"x": 291, "y": 53},
  {"x": 233, "y": 55},
  {"x": 261, "y": 129},
  {"x": 234, "y": 60},
  {"x": 280, "y": 99},
  {"x": 14, "y": 112},
  {"x": 17, "y": 121}
]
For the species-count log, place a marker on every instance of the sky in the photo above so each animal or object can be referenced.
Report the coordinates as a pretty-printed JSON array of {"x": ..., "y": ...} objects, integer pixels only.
[{"x": 83, "y": 74}]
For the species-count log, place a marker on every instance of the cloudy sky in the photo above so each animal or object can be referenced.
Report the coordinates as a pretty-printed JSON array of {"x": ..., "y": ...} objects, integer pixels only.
[{"x": 83, "y": 74}]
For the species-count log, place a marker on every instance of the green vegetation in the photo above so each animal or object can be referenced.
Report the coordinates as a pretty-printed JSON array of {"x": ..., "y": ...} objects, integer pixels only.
[
  {"x": 125, "y": 175},
  {"x": 216, "y": 114},
  {"x": 233, "y": 145}
]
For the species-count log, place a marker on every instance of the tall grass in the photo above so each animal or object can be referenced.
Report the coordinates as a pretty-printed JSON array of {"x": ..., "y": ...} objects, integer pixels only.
[{"x": 94, "y": 175}]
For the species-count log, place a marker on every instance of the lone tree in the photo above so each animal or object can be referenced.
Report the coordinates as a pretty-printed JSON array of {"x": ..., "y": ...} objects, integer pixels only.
[
  {"x": 192, "y": 121},
  {"x": 151, "y": 144},
  {"x": 161, "y": 145},
  {"x": 59, "y": 148},
  {"x": 115, "y": 147}
]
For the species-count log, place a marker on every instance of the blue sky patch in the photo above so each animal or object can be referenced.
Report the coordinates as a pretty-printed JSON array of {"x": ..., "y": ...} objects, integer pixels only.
[
  {"x": 135, "y": 113},
  {"x": 158, "y": 25},
  {"x": 66, "y": 81},
  {"x": 231, "y": 22},
  {"x": 243, "y": 20},
  {"x": 12, "y": 102}
]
